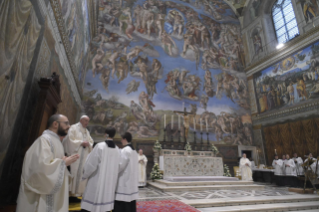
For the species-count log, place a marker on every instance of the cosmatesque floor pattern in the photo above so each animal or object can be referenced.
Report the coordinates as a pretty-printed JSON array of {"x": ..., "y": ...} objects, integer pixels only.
[
  {"x": 149, "y": 194},
  {"x": 152, "y": 194}
]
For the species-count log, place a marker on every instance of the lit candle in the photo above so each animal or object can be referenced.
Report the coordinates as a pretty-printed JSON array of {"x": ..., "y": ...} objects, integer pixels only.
[
  {"x": 194, "y": 124},
  {"x": 164, "y": 120},
  {"x": 201, "y": 125},
  {"x": 172, "y": 122},
  {"x": 179, "y": 122},
  {"x": 206, "y": 125}
]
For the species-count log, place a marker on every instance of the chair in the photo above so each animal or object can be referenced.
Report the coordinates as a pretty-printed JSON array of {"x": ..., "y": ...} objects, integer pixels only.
[{"x": 237, "y": 172}]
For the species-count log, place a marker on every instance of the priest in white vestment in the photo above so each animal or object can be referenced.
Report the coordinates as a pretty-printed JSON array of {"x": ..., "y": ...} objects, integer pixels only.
[
  {"x": 127, "y": 188},
  {"x": 78, "y": 141},
  {"x": 142, "y": 162},
  {"x": 245, "y": 168},
  {"x": 101, "y": 169},
  {"x": 45, "y": 178},
  {"x": 298, "y": 162}
]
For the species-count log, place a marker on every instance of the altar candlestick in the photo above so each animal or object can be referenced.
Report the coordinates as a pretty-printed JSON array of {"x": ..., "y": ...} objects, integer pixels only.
[
  {"x": 179, "y": 122},
  {"x": 183, "y": 106},
  {"x": 194, "y": 124},
  {"x": 172, "y": 122},
  {"x": 206, "y": 125},
  {"x": 201, "y": 125},
  {"x": 164, "y": 120}
]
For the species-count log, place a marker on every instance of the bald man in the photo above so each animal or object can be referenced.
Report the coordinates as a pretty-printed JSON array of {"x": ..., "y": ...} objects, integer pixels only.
[
  {"x": 45, "y": 178},
  {"x": 78, "y": 141}
]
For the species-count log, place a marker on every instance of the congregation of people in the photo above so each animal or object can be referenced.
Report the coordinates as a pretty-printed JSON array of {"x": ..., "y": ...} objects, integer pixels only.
[
  {"x": 64, "y": 164},
  {"x": 287, "y": 170}
]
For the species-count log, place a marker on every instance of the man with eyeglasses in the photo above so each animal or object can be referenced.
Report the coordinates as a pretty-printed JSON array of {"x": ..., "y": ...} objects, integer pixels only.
[
  {"x": 78, "y": 141},
  {"x": 45, "y": 178}
]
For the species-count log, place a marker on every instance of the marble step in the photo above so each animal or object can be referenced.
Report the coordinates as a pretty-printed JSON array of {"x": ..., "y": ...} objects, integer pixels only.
[
  {"x": 221, "y": 202},
  {"x": 314, "y": 210},
  {"x": 266, "y": 207},
  {"x": 166, "y": 188},
  {"x": 202, "y": 183}
]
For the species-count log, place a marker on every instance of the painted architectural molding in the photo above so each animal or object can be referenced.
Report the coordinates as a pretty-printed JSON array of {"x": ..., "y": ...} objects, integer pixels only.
[
  {"x": 290, "y": 47},
  {"x": 54, "y": 4},
  {"x": 62, "y": 52}
]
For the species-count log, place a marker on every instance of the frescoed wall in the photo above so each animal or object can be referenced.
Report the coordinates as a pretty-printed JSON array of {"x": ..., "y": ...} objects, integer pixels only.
[
  {"x": 291, "y": 81},
  {"x": 151, "y": 58}
]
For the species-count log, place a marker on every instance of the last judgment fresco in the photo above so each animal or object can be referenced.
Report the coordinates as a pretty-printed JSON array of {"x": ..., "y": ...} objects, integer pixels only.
[{"x": 151, "y": 59}]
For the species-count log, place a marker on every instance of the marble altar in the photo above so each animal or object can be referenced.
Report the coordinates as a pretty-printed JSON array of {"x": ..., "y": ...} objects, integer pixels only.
[{"x": 198, "y": 165}]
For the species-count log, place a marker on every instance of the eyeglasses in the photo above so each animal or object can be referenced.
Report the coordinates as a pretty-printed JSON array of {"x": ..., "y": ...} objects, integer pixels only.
[{"x": 65, "y": 122}]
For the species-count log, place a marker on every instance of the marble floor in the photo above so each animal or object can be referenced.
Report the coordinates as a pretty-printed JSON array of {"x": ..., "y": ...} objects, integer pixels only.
[{"x": 149, "y": 193}]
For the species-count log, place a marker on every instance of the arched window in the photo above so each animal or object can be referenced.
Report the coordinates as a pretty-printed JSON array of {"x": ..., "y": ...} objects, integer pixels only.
[{"x": 284, "y": 19}]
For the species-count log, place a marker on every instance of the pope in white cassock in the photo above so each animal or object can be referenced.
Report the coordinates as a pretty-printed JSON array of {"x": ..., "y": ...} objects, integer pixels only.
[
  {"x": 298, "y": 162},
  {"x": 127, "y": 188},
  {"x": 45, "y": 178},
  {"x": 245, "y": 168},
  {"x": 101, "y": 169},
  {"x": 78, "y": 141},
  {"x": 142, "y": 162}
]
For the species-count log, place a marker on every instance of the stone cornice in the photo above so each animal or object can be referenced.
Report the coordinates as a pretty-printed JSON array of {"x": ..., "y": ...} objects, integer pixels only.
[
  {"x": 297, "y": 112},
  {"x": 65, "y": 41},
  {"x": 289, "y": 48}
]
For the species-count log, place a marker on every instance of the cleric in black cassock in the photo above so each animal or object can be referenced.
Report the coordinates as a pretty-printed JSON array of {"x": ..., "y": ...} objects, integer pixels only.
[{"x": 127, "y": 188}]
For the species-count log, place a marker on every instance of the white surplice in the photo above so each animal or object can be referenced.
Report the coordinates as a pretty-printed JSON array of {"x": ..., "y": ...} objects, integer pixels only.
[
  {"x": 314, "y": 168},
  {"x": 290, "y": 170},
  {"x": 278, "y": 166},
  {"x": 142, "y": 170},
  {"x": 101, "y": 169},
  {"x": 72, "y": 145},
  {"x": 127, "y": 188},
  {"x": 45, "y": 178},
  {"x": 313, "y": 165},
  {"x": 298, "y": 162},
  {"x": 246, "y": 173}
]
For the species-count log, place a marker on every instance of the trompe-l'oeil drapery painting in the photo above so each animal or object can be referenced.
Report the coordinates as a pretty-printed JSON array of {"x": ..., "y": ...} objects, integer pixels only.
[{"x": 151, "y": 59}]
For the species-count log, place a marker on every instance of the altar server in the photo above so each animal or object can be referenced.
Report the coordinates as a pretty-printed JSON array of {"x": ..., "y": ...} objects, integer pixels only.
[
  {"x": 313, "y": 166},
  {"x": 78, "y": 141},
  {"x": 142, "y": 162},
  {"x": 45, "y": 178},
  {"x": 278, "y": 164},
  {"x": 290, "y": 171},
  {"x": 245, "y": 168},
  {"x": 311, "y": 158},
  {"x": 298, "y": 163},
  {"x": 127, "y": 188},
  {"x": 101, "y": 169}
]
